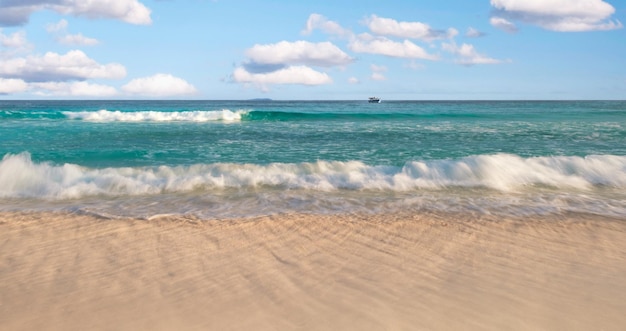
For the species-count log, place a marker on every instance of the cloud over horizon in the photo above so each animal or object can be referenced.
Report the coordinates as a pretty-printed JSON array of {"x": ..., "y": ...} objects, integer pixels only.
[
  {"x": 301, "y": 75},
  {"x": 74, "y": 65},
  {"x": 73, "y": 89},
  {"x": 14, "y": 13},
  {"x": 47, "y": 46},
  {"x": 323, "y": 54},
  {"x": 12, "y": 85},
  {"x": 159, "y": 85},
  {"x": 408, "y": 30},
  {"x": 366, "y": 43},
  {"x": 467, "y": 55},
  {"x": 289, "y": 63},
  {"x": 555, "y": 15}
]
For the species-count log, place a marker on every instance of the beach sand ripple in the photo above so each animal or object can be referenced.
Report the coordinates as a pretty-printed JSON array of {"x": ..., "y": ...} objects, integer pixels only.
[{"x": 312, "y": 272}]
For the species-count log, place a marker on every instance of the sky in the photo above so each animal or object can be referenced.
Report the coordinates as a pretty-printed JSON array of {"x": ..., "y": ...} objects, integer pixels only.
[{"x": 313, "y": 50}]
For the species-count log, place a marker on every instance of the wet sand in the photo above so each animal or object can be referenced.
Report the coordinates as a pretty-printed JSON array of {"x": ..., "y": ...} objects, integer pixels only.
[{"x": 312, "y": 272}]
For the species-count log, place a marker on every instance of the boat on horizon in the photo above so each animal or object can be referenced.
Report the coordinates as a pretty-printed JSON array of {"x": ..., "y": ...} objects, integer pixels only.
[{"x": 373, "y": 100}]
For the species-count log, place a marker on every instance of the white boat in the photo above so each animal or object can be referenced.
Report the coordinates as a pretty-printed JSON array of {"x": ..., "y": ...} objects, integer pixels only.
[{"x": 374, "y": 100}]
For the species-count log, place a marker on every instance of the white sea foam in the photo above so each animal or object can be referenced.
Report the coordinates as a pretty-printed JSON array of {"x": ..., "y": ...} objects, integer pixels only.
[
  {"x": 20, "y": 177},
  {"x": 157, "y": 116}
]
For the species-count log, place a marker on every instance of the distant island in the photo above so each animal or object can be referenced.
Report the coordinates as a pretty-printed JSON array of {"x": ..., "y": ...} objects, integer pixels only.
[{"x": 260, "y": 99}]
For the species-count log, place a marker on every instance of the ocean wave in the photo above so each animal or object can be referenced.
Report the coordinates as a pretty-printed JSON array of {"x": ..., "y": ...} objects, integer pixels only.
[
  {"x": 104, "y": 115},
  {"x": 29, "y": 115},
  {"x": 222, "y": 115},
  {"x": 21, "y": 177}
]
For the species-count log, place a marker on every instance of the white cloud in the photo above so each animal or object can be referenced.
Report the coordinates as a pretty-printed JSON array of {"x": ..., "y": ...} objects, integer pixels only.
[
  {"x": 159, "y": 85},
  {"x": 77, "y": 39},
  {"x": 15, "y": 40},
  {"x": 8, "y": 86},
  {"x": 474, "y": 33},
  {"x": 558, "y": 15},
  {"x": 130, "y": 11},
  {"x": 302, "y": 75},
  {"x": 289, "y": 63},
  {"x": 384, "y": 46},
  {"x": 57, "y": 27},
  {"x": 82, "y": 89},
  {"x": 378, "y": 76},
  {"x": 503, "y": 24},
  {"x": 75, "y": 65},
  {"x": 323, "y": 54},
  {"x": 69, "y": 39},
  {"x": 377, "y": 72},
  {"x": 319, "y": 22},
  {"x": 467, "y": 54},
  {"x": 410, "y": 30},
  {"x": 353, "y": 80}
]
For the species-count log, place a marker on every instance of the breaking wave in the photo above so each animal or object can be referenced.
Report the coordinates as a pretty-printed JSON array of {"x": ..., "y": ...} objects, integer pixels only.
[
  {"x": 237, "y": 115},
  {"x": 104, "y": 115},
  {"x": 21, "y": 177}
]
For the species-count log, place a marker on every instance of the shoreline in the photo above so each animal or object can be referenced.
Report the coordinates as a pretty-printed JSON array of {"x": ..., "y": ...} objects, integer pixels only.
[{"x": 61, "y": 271}]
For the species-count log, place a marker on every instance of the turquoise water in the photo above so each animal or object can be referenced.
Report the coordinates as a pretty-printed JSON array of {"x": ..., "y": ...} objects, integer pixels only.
[{"x": 217, "y": 159}]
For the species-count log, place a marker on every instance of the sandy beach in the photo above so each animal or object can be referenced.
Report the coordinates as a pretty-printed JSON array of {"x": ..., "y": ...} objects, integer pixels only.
[{"x": 312, "y": 272}]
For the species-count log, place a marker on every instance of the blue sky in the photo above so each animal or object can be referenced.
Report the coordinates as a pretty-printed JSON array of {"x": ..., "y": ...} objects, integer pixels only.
[{"x": 312, "y": 50}]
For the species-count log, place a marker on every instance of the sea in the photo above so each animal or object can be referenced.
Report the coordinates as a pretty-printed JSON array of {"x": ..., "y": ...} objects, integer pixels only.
[{"x": 238, "y": 159}]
